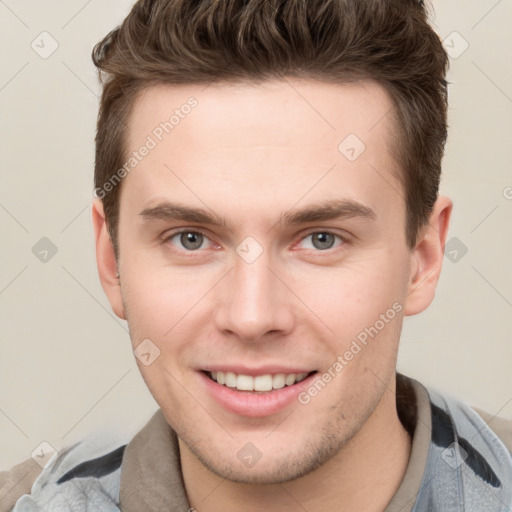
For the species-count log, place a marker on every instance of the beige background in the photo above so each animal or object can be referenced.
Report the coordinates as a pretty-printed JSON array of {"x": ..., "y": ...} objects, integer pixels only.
[{"x": 66, "y": 367}]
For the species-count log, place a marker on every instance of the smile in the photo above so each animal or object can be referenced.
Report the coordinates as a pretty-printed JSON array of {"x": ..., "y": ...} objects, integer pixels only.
[
  {"x": 255, "y": 393},
  {"x": 260, "y": 383}
]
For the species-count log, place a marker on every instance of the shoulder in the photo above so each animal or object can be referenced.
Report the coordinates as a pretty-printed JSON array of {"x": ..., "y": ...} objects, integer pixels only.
[
  {"x": 30, "y": 486},
  {"x": 500, "y": 426},
  {"x": 16, "y": 482}
]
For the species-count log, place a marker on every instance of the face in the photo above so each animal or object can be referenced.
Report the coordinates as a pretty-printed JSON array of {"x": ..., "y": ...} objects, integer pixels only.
[{"x": 262, "y": 245}]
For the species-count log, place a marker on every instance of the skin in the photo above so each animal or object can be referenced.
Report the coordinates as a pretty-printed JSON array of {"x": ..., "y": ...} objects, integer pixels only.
[{"x": 250, "y": 153}]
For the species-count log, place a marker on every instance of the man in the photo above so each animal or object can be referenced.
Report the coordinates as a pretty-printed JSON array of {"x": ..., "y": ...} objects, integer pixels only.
[{"x": 266, "y": 214}]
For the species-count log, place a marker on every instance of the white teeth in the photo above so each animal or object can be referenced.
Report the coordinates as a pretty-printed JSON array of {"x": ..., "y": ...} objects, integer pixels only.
[
  {"x": 231, "y": 380},
  {"x": 265, "y": 382},
  {"x": 290, "y": 379},
  {"x": 244, "y": 383},
  {"x": 278, "y": 380}
]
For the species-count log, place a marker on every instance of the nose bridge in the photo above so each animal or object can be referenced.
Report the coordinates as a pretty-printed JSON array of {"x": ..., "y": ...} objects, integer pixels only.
[{"x": 254, "y": 302}]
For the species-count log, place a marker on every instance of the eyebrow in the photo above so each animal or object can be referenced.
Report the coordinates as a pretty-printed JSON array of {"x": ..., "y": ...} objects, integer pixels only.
[
  {"x": 328, "y": 210},
  {"x": 174, "y": 211}
]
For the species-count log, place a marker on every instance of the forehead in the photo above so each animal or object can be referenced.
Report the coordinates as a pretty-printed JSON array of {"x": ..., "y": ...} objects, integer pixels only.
[
  {"x": 320, "y": 110},
  {"x": 286, "y": 137}
]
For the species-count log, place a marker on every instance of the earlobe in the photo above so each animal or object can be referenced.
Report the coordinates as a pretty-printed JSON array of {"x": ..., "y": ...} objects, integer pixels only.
[
  {"x": 427, "y": 258},
  {"x": 106, "y": 260}
]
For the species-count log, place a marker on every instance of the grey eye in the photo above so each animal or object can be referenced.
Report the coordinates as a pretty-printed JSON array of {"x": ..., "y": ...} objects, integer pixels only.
[
  {"x": 191, "y": 240},
  {"x": 322, "y": 240}
]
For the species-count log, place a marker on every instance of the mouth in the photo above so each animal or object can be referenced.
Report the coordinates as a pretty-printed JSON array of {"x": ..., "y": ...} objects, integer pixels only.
[
  {"x": 259, "y": 383},
  {"x": 264, "y": 393}
]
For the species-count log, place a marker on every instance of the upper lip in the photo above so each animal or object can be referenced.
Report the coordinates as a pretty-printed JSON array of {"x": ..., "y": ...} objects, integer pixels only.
[{"x": 254, "y": 372}]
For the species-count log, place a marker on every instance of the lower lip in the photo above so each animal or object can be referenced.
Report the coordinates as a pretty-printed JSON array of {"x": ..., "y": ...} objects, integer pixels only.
[{"x": 255, "y": 405}]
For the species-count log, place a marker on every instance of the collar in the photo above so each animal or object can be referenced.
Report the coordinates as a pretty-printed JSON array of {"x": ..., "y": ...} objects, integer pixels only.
[{"x": 151, "y": 477}]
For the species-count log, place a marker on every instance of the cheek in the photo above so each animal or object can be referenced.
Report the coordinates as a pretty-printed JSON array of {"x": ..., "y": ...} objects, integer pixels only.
[
  {"x": 350, "y": 298},
  {"x": 159, "y": 298}
]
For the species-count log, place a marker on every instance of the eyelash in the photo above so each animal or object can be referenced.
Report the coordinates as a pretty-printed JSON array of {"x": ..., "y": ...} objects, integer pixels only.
[{"x": 344, "y": 240}]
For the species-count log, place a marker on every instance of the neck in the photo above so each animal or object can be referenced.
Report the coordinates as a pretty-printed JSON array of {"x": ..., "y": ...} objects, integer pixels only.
[{"x": 363, "y": 475}]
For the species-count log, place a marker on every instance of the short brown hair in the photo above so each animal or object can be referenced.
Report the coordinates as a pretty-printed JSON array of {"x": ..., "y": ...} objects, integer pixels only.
[{"x": 204, "y": 41}]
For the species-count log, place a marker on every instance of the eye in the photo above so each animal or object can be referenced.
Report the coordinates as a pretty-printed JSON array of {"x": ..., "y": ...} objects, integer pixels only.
[
  {"x": 321, "y": 240},
  {"x": 189, "y": 240}
]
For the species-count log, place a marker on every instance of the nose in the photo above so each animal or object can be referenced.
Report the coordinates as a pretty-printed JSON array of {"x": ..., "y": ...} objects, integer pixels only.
[{"x": 254, "y": 304}]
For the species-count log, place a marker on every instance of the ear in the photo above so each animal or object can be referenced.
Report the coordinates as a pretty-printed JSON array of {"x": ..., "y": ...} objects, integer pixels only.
[
  {"x": 427, "y": 258},
  {"x": 106, "y": 260}
]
